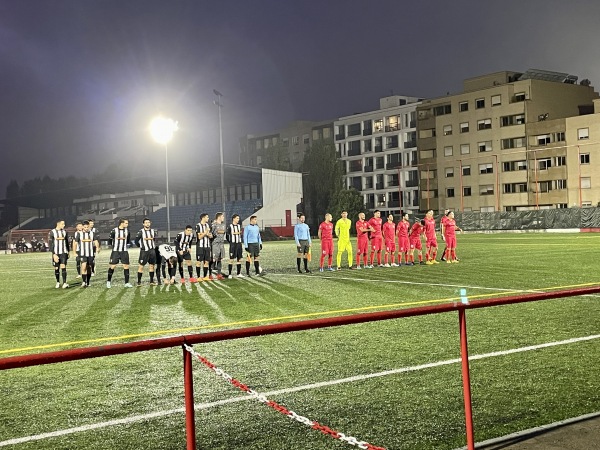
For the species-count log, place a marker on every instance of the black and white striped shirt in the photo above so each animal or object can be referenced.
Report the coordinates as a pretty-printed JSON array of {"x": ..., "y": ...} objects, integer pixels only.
[
  {"x": 145, "y": 239},
  {"x": 183, "y": 241},
  {"x": 120, "y": 238},
  {"x": 235, "y": 234},
  {"x": 205, "y": 241},
  {"x": 85, "y": 243},
  {"x": 58, "y": 240}
]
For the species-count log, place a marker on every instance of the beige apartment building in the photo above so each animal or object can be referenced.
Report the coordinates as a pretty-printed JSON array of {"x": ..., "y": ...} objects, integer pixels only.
[{"x": 511, "y": 141}]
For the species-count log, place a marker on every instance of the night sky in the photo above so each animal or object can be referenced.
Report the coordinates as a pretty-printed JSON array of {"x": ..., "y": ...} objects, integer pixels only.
[{"x": 80, "y": 80}]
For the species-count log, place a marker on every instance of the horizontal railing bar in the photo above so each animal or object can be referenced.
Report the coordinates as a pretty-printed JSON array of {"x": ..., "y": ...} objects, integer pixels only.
[{"x": 15, "y": 362}]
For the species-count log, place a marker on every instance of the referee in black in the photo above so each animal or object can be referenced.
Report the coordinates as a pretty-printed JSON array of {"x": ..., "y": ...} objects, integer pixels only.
[
  {"x": 119, "y": 239},
  {"x": 145, "y": 240}
]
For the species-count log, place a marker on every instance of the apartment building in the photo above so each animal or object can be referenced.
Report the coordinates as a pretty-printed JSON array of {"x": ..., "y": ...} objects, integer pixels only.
[
  {"x": 283, "y": 149},
  {"x": 379, "y": 152},
  {"x": 503, "y": 144}
]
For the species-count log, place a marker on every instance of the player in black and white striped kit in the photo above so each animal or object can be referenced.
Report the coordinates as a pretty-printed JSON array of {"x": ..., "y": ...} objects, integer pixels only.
[
  {"x": 203, "y": 236},
  {"x": 183, "y": 244},
  {"x": 58, "y": 240},
  {"x": 96, "y": 250},
  {"x": 119, "y": 239},
  {"x": 234, "y": 236},
  {"x": 145, "y": 240},
  {"x": 85, "y": 245},
  {"x": 166, "y": 257}
]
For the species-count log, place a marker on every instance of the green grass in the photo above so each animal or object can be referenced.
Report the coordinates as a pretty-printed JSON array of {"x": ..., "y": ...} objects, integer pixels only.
[{"x": 419, "y": 409}]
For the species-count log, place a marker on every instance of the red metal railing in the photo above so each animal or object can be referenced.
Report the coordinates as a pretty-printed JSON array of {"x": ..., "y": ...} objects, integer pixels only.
[{"x": 15, "y": 362}]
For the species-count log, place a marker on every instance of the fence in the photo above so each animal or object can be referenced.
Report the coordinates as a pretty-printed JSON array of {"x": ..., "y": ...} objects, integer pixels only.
[{"x": 132, "y": 347}]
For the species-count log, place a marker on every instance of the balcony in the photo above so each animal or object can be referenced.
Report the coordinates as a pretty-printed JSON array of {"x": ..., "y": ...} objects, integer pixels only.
[
  {"x": 378, "y": 149},
  {"x": 393, "y": 203},
  {"x": 357, "y": 168},
  {"x": 392, "y": 144},
  {"x": 368, "y": 169},
  {"x": 410, "y": 144},
  {"x": 340, "y": 137},
  {"x": 354, "y": 152},
  {"x": 390, "y": 128},
  {"x": 393, "y": 183},
  {"x": 379, "y": 186},
  {"x": 393, "y": 165},
  {"x": 356, "y": 184},
  {"x": 412, "y": 124},
  {"x": 367, "y": 132},
  {"x": 411, "y": 183},
  {"x": 368, "y": 186}
]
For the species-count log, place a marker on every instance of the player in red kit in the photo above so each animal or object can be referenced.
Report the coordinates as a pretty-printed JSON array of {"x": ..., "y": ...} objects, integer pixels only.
[
  {"x": 430, "y": 238},
  {"x": 414, "y": 237},
  {"x": 326, "y": 236},
  {"x": 389, "y": 237},
  {"x": 362, "y": 241},
  {"x": 443, "y": 220},
  {"x": 403, "y": 242},
  {"x": 376, "y": 237},
  {"x": 450, "y": 228}
]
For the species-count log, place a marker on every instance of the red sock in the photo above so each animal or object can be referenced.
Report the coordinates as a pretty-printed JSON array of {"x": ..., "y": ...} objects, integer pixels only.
[
  {"x": 365, "y": 259},
  {"x": 379, "y": 258},
  {"x": 393, "y": 256},
  {"x": 329, "y": 260},
  {"x": 358, "y": 259},
  {"x": 420, "y": 257},
  {"x": 322, "y": 259}
]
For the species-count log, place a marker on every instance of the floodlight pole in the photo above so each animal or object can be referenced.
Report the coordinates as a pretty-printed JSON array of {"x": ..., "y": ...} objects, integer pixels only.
[
  {"x": 167, "y": 197},
  {"x": 219, "y": 104}
]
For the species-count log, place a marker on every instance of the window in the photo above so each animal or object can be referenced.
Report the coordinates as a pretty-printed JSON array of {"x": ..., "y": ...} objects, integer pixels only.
[
  {"x": 586, "y": 183},
  {"x": 427, "y": 133},
  {"x": 447, "y": 130},
  {"x": 296, "y": 140},
  {"x": 353, "y": 129},
  {"x": 463, "y": 106},
  {"x": 511, "y": 166},
  {"x": 517, "y": 119},
  {"x": 427, "y": 154},
  {"x": 486, "y": 168},
  {"x": 544, "y": 186},
  {"x": 285, "y": 142},
  {"x": 450, "y": 192},
  {"x": 326, "y": 133},
  {"x": 586, "y": 204},
  {"x": 513, "y": 142},
  {"x": 266, "y": 143},
  {"x": 514, "y": 188},
  {"x": 378, "y": 125},
  {"x": 464, "y": 127},
  {"x": 442, "y": 110},
  {"x": 560, "y": 161},
  {"x": 484, "y": 124},
  {"x": 274, "y": 140},
  {"x": 584, "y": 158},
  {"x": 306, "y": 138},
  {"x": 258, "y": 160},
  {"x": 485, "y": 146},
  {"x": 449, "y": 172},
  {"x": 520, "y": 97},
  {"x": 559, "y": 136},
  {"x": 429, "y": 194},
  {"x": 487, "y": 209},
  {"x": 465, "y": 149},
  {"x": 259, "y": 145},
  {"x": 542, "y": 139},
  {"x": 486, "y": 189},
  {"x": 561, "y": 205},
  {"x": 448, "y": 151},
  {"x": 583, "y": 133},
  {"x": 561, "y": 184},
  {"x": 544, "y": 164},
  {"x": 466, "y": 171},
  {"x": 496, "y": 100},
  {"x": 466, "y": 191},
  {"x": 479, "y": 103}
]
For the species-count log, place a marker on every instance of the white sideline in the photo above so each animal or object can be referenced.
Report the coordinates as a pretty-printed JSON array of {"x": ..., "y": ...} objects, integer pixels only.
[{"x": 200, "y": 406}]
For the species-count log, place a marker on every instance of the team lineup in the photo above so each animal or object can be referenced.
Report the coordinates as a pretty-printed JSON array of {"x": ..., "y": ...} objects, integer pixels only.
[{"x": 379, "y": 244}]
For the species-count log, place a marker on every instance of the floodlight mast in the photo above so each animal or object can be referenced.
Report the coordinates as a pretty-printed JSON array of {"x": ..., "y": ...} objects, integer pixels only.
[
  {"x": 162, "y": 130},
  {"x": 219, "y": 104}
]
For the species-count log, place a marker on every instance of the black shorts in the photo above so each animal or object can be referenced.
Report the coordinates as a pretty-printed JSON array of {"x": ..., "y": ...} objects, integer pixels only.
[
  {"x": 148, "y": 257},
  {"x": 119, "y": 257},
  {"x": 62, "y": 259},
  {"x": 186, "y": 255},
  {"x": 86, "y": 259},
  {"x": 254, "y": 250},
  {"x": 236, "y": 251},
  {"x": 203, "y": 254},
  {"x": 304, "y": 246}
]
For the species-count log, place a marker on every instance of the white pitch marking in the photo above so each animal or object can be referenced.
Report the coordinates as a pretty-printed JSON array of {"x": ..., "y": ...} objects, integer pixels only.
[{"x": 305, "y": 387}]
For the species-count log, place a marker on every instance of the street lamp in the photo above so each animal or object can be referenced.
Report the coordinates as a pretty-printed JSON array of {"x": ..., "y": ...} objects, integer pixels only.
[
  {"x": 162, "y": 129},
  {"x": 219, "y": 104}
]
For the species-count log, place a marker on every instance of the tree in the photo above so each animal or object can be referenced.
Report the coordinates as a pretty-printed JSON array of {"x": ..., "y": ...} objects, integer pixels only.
[
  {"x": 324, "y": 179},
  {"x": 349, "y": 200}
]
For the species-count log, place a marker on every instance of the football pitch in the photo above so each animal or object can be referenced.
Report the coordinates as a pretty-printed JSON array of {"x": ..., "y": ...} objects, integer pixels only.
[{"x": 395, "y": 384}]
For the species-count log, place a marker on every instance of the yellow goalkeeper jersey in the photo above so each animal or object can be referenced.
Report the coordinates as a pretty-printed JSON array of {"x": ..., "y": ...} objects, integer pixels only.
[{"x": 342, "y": 229}]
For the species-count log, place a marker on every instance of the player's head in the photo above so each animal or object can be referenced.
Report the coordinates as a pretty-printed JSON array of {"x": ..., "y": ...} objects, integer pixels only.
[
  {"x": 361, "y": 216},
  {"x": 219, "y": 217},
  {"x": 85, "y": 225},
  {"x": 172, "y": 261},
  {"x": 79, "y": 226},
  {"x": 188, "y": 230},
  {"x": 390, "y": 218},
  {"x": 429, "y": 213},
  {"x": 451, "y": 214},
  {"x": 203, "y": 218},
  {"x": 146, "y": 222},
  {"x": 91, "y": 222},
  {"x": 446, "y": 211},
  {"x": 404, "y": 215},
  {"x": 328, "y": 217},
  {"x": 376, "y": 213},
  {"x": 344, "y": 214},
  {"x": 252, "y": 220},
  {"x": 423, "y": 222},
  {"x": 301, "y": 218},
  {"x": 235, "y": 219},
  {"x": 123, "y": 223},
  {"x": 60, "y": 224}
]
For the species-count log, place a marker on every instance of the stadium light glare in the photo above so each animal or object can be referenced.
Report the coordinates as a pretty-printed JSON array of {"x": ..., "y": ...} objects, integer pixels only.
[{"x": 162, "y": 129}]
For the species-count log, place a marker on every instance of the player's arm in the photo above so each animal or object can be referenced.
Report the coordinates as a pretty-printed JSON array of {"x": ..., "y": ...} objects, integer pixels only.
[
  {"x": 245, "y": 238},
  {"x": 337, "y": 229},
  {"x": 296, "y": 235},
  {"x": 319, "y": 232},
  {"x": 138, "y": 239}
]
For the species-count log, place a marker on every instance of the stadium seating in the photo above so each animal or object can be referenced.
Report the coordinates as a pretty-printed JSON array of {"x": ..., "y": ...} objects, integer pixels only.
[{"x": 43, "y": 223}]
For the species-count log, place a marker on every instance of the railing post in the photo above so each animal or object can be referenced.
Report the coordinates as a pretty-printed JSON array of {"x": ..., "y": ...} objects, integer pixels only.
[
  {"x": 188, "y": 387},
  {"x": 464, "y": 355}
]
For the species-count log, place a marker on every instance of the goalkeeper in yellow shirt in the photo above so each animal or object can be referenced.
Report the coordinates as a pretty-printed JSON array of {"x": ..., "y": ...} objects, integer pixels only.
[{"x": 342, "y": 231}]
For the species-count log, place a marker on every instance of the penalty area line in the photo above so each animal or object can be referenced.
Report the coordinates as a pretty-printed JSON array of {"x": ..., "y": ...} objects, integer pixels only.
[{"x": 305, "y": 387}]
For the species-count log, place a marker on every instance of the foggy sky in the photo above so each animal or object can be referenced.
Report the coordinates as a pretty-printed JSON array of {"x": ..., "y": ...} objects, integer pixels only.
[{"x": 81, "y": 79}]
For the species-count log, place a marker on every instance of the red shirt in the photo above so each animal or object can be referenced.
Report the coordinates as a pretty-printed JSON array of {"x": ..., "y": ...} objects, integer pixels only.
[
  {"x": 416, "y": 231},
  {"x": 326, "y": 229},
  {"x": 375, "y": 222},
  {"x": 430, "y": 228},
  {"x": 402, "y": 229},
  {"x": 450, "y": 228},
  {"x": 388, "y": 231},
  {"x": 360, "y": 224},
  {"x": 443, "y": 221}
]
